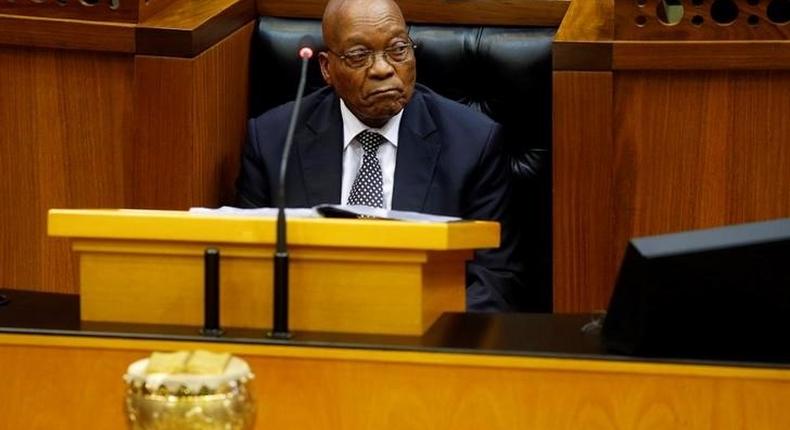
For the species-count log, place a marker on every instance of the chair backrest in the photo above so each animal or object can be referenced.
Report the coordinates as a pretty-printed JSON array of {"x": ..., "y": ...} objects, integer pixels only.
[{"x": 504, "y": 72}]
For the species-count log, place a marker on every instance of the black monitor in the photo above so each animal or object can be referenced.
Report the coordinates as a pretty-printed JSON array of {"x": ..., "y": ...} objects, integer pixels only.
[{"x": 721, "y": 293}]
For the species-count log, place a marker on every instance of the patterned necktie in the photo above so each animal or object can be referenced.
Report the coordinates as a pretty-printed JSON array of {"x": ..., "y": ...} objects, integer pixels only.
[{"x": 368, "y": 187}]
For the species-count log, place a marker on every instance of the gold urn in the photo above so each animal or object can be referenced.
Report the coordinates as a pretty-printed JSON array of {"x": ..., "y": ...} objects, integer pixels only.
[{"x": 160, "y": 401}]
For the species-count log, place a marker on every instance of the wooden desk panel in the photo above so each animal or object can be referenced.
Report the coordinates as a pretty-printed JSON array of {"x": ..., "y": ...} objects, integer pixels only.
[
  {"x": 700, "y": 143},
  {"x": 191, "y": 124},
  {"x": 66, "y": 121},
  {"x": 583, "y": 186},
  {"x": 68, "y": 382},
  {"x": 83, "y": 129},
  {"x": 687, "y": 150}
]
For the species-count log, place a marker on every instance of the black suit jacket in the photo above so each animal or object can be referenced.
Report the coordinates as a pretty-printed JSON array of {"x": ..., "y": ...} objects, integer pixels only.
[{"x": 448, "y": 162}]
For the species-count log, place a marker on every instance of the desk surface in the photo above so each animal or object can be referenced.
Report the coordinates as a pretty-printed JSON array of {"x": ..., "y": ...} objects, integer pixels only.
[{"x": 530, "y": 335}]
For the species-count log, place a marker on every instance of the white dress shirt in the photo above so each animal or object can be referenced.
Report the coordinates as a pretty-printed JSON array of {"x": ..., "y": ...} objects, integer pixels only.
[{"x": 352, "y": 152}]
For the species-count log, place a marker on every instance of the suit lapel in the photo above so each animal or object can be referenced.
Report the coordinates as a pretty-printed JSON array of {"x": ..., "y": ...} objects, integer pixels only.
[
  {"x": 320, "y": 149},
  {"x": 418, "y": 153}
]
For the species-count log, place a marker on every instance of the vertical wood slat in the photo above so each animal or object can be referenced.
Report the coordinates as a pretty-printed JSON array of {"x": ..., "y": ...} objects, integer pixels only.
[
  {"x": 583, "y": 185},
  {"x": 190, "y": 126}
]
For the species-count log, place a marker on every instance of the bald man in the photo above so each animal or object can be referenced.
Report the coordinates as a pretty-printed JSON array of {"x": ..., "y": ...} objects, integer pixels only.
[{"x": 374, "y": 137}]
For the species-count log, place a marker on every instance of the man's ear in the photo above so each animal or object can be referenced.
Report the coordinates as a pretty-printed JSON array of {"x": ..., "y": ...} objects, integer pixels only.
[{"x": 323, "y": 61}]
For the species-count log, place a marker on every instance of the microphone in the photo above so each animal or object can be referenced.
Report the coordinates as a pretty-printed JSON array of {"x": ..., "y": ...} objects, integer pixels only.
[
  {"x": 306, "y": 46},
  {"x": 280, "y": 285}
]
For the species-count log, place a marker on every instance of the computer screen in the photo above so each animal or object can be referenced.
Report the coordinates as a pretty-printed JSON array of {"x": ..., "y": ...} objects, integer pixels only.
[{"x": 721, "y": 293}]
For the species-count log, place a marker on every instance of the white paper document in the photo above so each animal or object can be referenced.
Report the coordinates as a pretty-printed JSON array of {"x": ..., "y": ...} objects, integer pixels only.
[
  {"x": 330, "y": 211},
  {"x": 257, "y": 212}
]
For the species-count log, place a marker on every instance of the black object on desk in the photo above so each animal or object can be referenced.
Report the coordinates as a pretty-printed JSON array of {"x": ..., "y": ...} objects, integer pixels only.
[
  {"x": 39, "y": 310},
  {"x": 211, "y": 293},
  {"x": 517, "y": 334},
  {"x": 721, "y": 293}
]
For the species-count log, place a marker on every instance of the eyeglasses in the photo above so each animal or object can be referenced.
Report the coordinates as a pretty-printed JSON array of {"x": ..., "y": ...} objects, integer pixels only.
[{"x": 363, "y": 58}]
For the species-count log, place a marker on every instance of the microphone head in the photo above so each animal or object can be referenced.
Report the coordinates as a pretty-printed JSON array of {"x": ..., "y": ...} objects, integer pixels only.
[
  {"x": 305, "y": 53},
  {"x": 306, "y": 45}
]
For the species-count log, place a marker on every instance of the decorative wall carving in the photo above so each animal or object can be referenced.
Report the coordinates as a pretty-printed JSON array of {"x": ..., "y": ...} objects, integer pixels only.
[{"x": 702, "y": 19}]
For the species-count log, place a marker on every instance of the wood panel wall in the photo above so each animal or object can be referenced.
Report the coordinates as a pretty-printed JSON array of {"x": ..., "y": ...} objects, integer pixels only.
[
  {"x": 67, "y": 122},
  {"x": 701, "y": 149},
  {"x": 191, "y": 122},
  {"x": 583, "y": 185},
  {"x": 702, "y": 142},
  {"x": 88, "y": 122}
]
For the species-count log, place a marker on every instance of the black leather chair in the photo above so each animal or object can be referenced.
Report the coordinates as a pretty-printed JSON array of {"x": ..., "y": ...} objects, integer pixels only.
[{"x": 505, "y": 72}]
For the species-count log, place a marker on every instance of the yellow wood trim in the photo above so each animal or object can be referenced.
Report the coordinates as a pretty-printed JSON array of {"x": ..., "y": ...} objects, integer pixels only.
[
  {"x": 431, "y": 358},
  {"x": 150, "y": 247},
  {"x": 183, "y": 226}
]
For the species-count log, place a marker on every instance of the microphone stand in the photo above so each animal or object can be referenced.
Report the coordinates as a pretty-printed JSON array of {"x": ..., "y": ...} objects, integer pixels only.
[{"x": 281, "y": 262}]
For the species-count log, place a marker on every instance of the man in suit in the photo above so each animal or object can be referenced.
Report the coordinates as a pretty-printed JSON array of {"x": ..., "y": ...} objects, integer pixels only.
[{"x": 374, "y": 137}]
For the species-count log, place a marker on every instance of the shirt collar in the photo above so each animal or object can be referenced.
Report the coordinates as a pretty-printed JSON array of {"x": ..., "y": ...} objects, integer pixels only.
[{"x": 352, "y": 126}]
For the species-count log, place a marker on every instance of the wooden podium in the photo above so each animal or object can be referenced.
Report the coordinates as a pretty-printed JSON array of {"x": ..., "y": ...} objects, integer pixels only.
[{"x": 356, "y": 276}]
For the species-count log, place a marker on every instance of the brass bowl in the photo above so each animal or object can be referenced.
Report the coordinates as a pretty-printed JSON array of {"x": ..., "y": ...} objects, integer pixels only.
[{"x": 168, "y": 404}]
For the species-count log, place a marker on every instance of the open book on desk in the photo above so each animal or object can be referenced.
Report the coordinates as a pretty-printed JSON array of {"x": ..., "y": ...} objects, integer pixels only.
[{"x": 331, "y": 211}]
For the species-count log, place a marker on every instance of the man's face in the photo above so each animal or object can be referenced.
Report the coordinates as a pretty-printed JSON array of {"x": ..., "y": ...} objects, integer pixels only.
[{"x": 378, "y": 91}]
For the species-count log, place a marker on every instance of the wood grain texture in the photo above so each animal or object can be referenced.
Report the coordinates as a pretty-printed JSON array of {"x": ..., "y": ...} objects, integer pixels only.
[
  {"x": 190, "y": 126},
  {"x": 66, "y": 34},
  {"x": 181, "y": 226},
  {"x": 188, "y": 27},
  {"x": 180, "y": 28},
  {"x": 722, "y": 55},
  {"x": 581, "y": 56},
  {"x": 332, "y": 289},
  {"x": 149, "y": 8},
  {"x": 66, "y": 121},
  {"x": 547, "y": 13},
  {"x": 699, "y": 150},
  {"x": 328, "y": 388},
  {"x": 125, "y": 12},
  {"x": 691, "y": 150},
  {"x": 740, "y": 29},
  {"x": 583, "y": 40},
  {"x": 129, "y": 11},
  {"x": 83, "y": 129},
  {"x": 587, "y": 21},
  {"x": 588, "y": 39},
  {"x": 191, "y": 14},
  {"x": 583, "y": 155}
]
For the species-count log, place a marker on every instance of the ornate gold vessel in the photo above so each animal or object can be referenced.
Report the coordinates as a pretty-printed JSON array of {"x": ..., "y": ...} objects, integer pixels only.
[{"x": 186, "y": 402}]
